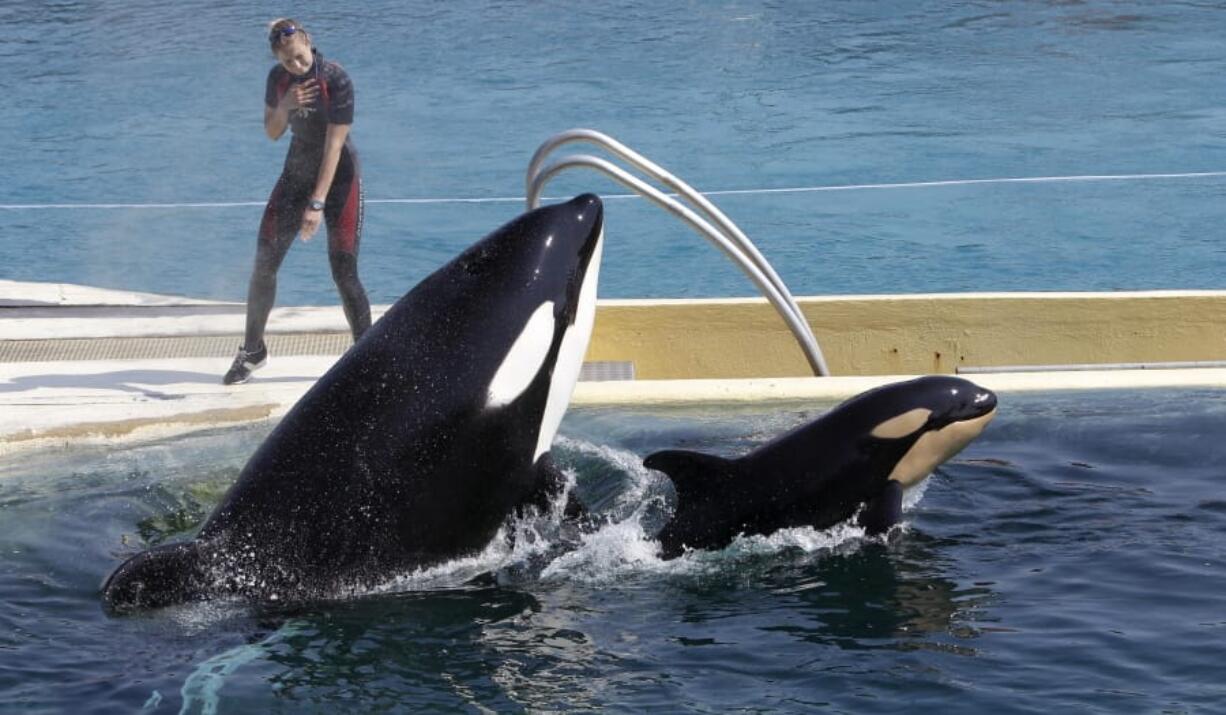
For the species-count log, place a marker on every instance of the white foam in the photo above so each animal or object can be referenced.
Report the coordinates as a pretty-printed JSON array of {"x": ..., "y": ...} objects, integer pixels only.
[
  {"x": 536, "y": 546},
  {"x": 805, "y": 539},
  {"x": 607, "y": 554},
  {"x": 200, "y": 616},
  {"x": 624, "y": 548},
  {"x": 646, "y": 487},
  {"x": 911, "y": 497},
  {"x": 522, "y": 540},
  {"x": 452, "y": 574}
]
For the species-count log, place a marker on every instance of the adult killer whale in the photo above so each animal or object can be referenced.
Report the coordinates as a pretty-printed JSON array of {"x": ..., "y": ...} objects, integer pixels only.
[
  {"x": 418, "y": 443},
  {"x": 858, "y": 458}
]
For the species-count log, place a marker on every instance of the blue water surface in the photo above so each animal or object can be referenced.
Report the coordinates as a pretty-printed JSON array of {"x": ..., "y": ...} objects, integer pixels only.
[
  {"x": 160, "y": 102},
  {"x": 1070, "y": 560}
]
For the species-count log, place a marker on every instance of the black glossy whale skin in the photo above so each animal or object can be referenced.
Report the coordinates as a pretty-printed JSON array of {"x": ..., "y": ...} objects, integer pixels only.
[
  {"x": 396, "y": 458},
  {"x": 820, "y": 473}
]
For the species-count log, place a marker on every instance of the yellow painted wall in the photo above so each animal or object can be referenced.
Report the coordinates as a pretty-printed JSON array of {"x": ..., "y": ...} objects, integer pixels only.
[{"x": 892, "y": 335}]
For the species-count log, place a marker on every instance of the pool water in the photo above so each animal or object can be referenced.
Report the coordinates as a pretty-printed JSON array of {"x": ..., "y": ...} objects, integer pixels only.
[
  {"x": 159, "y": 103},
  {"x": 1070, "y": 560}
]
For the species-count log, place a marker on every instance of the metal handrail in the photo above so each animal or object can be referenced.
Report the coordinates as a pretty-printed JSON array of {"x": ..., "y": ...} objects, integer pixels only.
[
  {"x": 727, "y": 237},
  {"x": 665, "y": 177}
]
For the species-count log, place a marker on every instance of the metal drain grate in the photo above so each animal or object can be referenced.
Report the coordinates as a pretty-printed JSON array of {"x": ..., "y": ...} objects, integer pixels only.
[
  {"x": 606, "y": 371},
  {"x": 223, "y": 347},
  {"x": 219, "y": 346}
]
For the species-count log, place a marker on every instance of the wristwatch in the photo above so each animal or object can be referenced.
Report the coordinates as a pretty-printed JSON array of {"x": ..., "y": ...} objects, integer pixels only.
[{"x": 316, "y": 205}]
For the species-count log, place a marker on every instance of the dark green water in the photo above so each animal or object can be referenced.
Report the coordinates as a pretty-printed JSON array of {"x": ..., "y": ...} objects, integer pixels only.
[{"x": 1071, "y": 560}]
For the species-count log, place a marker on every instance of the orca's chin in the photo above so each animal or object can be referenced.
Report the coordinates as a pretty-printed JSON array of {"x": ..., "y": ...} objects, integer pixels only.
[{"x": 936, "y": 447}]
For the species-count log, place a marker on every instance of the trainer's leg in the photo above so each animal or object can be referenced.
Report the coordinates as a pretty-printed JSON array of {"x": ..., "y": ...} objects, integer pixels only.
[
  {"x": 344, "y": 214},
  {"x": 353, "y": 295},
  {"x": 280, "y": 224}
]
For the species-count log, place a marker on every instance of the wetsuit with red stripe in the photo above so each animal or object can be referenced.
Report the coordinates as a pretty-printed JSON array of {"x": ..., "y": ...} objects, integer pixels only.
[{"x": 343, "y": 207}]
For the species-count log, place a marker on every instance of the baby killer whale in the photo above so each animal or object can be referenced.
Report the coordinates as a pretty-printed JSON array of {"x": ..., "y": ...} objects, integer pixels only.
[
  {"x": 415, "y": 447},
  {"x": 857, "y": 459}
]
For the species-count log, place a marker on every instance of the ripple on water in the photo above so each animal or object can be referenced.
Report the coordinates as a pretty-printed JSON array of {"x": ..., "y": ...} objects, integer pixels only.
[{"x": 1020, "y": 576}]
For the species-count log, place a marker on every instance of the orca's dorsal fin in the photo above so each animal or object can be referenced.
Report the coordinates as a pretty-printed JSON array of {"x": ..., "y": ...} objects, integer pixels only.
[{"x": 693, "y": 473}]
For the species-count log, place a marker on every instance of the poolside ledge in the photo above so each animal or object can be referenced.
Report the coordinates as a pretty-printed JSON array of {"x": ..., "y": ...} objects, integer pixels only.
[{"x": 79, "y": 364}]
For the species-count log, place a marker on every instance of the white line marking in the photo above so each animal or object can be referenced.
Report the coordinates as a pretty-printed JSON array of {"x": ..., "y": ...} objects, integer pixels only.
[{"x": 719, "y": 192}]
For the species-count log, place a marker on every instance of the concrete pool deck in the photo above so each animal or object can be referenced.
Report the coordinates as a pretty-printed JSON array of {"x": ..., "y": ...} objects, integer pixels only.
[
  {"x": 85, "y": 365},
  {"x": 82, "y": 364}
]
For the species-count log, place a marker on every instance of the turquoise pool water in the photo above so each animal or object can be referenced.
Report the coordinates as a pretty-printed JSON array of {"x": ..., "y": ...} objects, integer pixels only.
[
  {"x": 1070, "y": 560},
  {"x": 156, "y": 102}
]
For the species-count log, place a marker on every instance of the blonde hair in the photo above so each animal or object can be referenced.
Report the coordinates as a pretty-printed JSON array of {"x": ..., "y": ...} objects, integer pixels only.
[{"x": 283, "y": 28}]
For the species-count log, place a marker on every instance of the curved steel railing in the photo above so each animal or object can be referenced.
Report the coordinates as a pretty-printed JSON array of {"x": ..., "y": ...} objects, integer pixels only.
[{"x": 719, "y": 229}]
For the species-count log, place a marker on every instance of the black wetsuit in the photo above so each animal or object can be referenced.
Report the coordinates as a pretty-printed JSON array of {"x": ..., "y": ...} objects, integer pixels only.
[{"x": 343, "y": 207}]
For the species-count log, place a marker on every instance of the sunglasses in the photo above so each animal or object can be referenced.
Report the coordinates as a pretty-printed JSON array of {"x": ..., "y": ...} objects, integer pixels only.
[{"x": 277, "y": 35}]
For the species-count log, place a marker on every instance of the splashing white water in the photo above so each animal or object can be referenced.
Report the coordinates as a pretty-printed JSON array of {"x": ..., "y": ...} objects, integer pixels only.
[
  {"x": 609, "y": 552},
  {"x": 522, "y": 541},
  {"x": 647, "y": 491},
  {"x": 545, "y": 547},
  {"x": 623, "y": 545},
  {"x": 911, "y": 497}
]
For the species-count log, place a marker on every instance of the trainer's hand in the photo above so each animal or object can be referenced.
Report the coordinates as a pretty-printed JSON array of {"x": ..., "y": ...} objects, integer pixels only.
[
  {"x": 300, "y": 95},
  {"x": 310, "y": 224}
]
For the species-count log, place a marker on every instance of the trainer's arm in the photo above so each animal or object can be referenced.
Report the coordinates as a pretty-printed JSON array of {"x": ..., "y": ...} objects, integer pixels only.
[
  {"x": 276, "y": 119},
  {"x": 334, "y": 141}
]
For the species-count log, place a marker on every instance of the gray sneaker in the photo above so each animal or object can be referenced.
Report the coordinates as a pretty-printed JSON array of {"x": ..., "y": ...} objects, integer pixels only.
[{"x": 245, "y": 364}]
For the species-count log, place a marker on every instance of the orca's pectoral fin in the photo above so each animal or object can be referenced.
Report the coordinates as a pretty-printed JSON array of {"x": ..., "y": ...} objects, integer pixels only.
[
  {"x": 483, "y": 580},
  {"x": 165, "y": 575},
  {"x": 575, "y": 509},
  {"x": 882, "y": 511},
  {"x": 693, "y": 473},
  {"x": 548, "y": 483}
]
